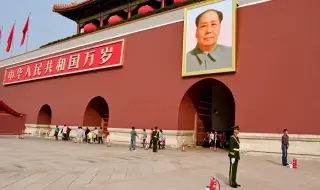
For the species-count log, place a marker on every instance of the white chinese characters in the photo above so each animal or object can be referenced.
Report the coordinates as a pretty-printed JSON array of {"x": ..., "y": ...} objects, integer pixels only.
[
  {"x": 89, "y": 55},
  {"x": 61, "y": 64},
  {"x": 11, "y": 74},
  {"x": 37, "y": 69},
  {"x": 106, "y": 54},
  {"x": 74, "y": 61},
  {"x": 48, "y": 67},
  {"x": 19, "y": 72},
  {"x": 87, "y": 59}
]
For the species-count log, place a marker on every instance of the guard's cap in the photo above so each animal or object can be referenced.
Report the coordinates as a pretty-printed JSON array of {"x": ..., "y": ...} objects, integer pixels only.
[{"x": 236, "y": 127}]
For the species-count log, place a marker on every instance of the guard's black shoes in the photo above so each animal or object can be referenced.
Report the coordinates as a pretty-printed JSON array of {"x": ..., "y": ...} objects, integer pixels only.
[
  {"x": 234, "y": 186},
  {"x": 238, "y": 185}
]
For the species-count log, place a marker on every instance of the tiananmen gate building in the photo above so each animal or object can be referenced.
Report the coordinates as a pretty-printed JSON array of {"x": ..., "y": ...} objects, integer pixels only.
[{"x": 188, "y": 67}]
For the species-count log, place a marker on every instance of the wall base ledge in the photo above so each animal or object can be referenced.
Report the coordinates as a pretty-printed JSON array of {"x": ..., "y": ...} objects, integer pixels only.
[
  {"x": 303, "y": 145},
  {"x": 274, "y": 136}
]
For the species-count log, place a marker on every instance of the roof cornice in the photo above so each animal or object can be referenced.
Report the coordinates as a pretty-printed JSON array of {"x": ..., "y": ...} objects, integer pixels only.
[{"x": 73, "y": 6}]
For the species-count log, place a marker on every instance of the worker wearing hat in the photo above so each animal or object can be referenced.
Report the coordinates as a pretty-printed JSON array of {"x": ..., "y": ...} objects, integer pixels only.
[{"x": 234, "y": 155}]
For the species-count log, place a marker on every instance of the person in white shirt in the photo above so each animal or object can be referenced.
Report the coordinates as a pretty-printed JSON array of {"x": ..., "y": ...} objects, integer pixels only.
[
  {"x": 80, "y": 134},
  {"x": 95, "y": 134},
  {"x": 211, "y": 140},
  {"x": 160, "y": 138},
  {"x": 64, "y": 132},
  {"x": 215, "y": 140}
]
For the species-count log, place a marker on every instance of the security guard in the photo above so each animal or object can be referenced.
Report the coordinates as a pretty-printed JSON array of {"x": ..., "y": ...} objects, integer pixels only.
[
  {"x": 155, "y": 138},
  {"x": 234, "y": 155}
]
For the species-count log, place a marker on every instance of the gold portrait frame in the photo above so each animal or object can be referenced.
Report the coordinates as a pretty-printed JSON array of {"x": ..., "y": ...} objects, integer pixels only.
[{"x": 184, "y": 53}]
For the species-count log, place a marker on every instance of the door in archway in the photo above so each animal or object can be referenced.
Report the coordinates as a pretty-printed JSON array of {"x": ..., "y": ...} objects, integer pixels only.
[
  {"x": 44, "y": 115},
  {"x": 97, "y": 113},
  {"x": 204, "y": 110},
  {"x": 223, "y": 108},
  {"x": 214, "y": 105}
]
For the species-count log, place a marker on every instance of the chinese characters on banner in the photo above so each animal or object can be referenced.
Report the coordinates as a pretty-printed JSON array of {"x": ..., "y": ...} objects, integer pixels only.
[{"x": 97, "y": 57}]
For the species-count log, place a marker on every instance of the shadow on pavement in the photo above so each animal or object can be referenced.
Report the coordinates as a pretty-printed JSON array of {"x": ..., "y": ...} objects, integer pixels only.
[
  {"x": 274, "y": 162},
  {"x": 222, "y": 178}
]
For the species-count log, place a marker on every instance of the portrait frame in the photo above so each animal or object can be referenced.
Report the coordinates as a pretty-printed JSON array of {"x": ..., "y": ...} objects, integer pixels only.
[{"x": 185, "y": 30}]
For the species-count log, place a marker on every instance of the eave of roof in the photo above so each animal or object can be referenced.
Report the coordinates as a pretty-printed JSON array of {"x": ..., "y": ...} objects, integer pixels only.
[
  {"x": 87, "y": 8},
  {"x": 8, "y": 109},
  {"x": 73, "y": 6}
]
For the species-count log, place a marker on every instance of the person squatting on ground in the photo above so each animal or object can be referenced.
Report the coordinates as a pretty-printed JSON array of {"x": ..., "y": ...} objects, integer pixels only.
[
  {"x": 284, "y": 147},
  {"x": 90, "y": 137},
  {"x": 234, "y": 156},
  {"x": 144, "y": 138}
]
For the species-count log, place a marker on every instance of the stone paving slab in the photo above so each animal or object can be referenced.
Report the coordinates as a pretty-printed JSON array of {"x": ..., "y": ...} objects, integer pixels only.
[{"x": 36, "y": 164}]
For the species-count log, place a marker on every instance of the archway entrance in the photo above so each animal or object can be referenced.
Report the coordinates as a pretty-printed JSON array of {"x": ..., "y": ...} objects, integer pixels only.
[
  {"x": 207, "y": 106},
  {"x": 44, "y": 115},
  {"x": 97, "y": 114}
]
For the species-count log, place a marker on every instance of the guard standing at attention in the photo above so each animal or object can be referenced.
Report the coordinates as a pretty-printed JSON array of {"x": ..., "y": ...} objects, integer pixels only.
[
  {"x": 155, "y": 138},
  {"x": 234, "y": 155}
]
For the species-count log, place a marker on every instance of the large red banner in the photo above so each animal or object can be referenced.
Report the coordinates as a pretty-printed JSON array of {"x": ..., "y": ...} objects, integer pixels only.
[{"x": 83, "y": 60}]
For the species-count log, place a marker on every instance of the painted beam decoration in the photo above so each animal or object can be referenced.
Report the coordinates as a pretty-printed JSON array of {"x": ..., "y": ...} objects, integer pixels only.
[
  {"x": 86, "y": 59},
  {"x": 209, "y": 38}
]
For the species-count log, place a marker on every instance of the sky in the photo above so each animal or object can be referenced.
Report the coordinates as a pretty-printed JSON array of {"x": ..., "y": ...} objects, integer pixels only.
[
  {"x": 225, "y": 37},
  {"x": 45, "y": 26}
]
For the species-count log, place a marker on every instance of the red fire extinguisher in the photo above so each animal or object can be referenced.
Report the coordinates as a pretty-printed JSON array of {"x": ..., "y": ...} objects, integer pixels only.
[
  {"x": 214, "y": 183},
  {"x": 294, "y": 163}
]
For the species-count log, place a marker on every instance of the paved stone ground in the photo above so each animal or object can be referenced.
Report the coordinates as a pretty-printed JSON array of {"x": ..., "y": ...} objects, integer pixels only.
[{"x": 33, "y": 164}]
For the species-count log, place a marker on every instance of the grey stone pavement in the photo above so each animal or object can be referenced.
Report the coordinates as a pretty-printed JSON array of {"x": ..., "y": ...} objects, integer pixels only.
[{"x": 33, "y": 164}]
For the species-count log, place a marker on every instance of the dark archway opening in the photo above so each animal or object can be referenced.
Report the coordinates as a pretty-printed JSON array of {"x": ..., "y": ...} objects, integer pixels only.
[
  {"x": 207, "y": 106},
  {"x": 44, "y": 115},
  {"x": 97, "y": 114}
]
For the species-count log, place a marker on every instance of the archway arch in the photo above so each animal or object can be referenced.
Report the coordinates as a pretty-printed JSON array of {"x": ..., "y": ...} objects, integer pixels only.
[
  {"x": 44, "y": 115},
  {"x": 207, "y": 106},
  {"x": 97, "y": 113}
]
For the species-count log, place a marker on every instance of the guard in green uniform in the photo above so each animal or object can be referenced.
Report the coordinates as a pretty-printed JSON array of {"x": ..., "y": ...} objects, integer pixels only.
[
  {"x": 234, "y": 155},
  {"x": 155, "y": 138}
]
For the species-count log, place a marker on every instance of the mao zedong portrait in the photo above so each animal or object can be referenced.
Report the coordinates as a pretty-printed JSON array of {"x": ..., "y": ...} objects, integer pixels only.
[{"x": 208, "y": 55}]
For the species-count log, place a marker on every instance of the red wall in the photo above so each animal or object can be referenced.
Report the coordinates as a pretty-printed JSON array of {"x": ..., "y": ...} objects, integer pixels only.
[
  {"x": 275, "y": 86},
  {"x": 11, "y": 125},
  {"x": 277, "y": 65}
]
